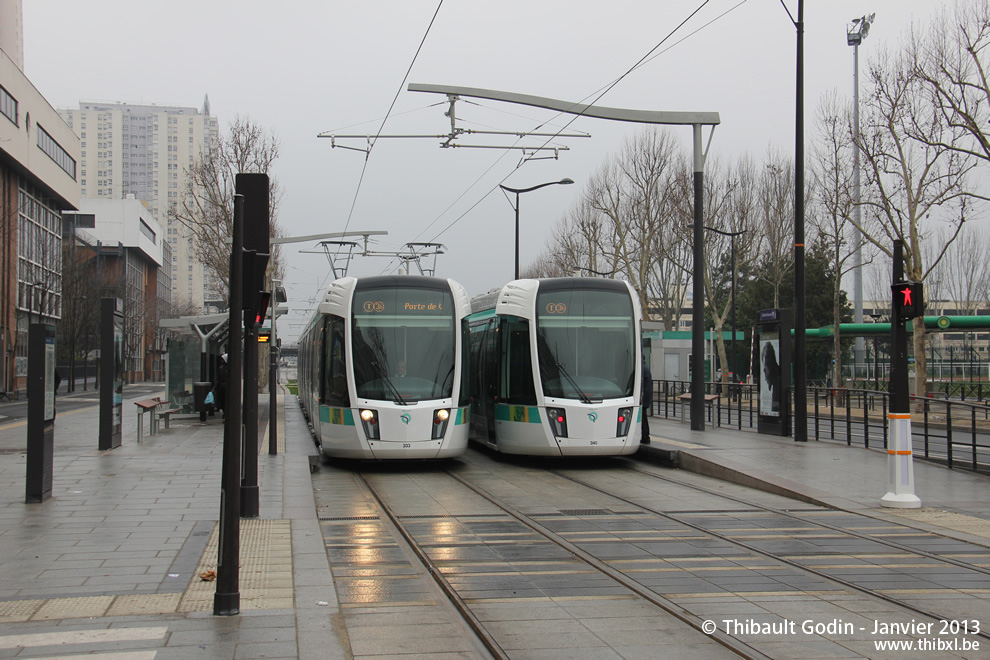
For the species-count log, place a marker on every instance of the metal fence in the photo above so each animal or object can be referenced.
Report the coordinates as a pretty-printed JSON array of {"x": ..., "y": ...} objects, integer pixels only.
[{"x": 951, "y": 431}]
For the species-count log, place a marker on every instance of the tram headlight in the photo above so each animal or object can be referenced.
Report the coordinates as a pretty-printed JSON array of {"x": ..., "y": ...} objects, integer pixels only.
[
  {"x": 440, "y": 419},
  {"x": 558, "y": 422},
  {"x": 624, "y": 422},
  {"x": 369, "y": 420}
]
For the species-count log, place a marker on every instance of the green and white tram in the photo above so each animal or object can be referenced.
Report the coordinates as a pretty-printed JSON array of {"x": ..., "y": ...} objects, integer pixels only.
[
  {"x": 382, "y": 368},
  {"x": 556, "y": 367}
]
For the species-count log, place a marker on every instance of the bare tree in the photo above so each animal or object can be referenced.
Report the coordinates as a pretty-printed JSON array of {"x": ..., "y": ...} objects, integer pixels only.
[
  {"x": 964, "y": 274},
  {"x": 832, "y": 160},
  {"x": 631, "y": 214},
  {"x": 774, "y": 222},
  {"x": 951, "y": 61},
  {"x": 909, "y": 179},
  {"x": 207, "y": 210},
  {"x": 80, "y": 305}
]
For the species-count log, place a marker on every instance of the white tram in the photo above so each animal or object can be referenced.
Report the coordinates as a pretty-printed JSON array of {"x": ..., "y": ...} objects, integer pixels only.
[
  {"x": 383, "y": 366},
  {"x": 556, "y": 367}
]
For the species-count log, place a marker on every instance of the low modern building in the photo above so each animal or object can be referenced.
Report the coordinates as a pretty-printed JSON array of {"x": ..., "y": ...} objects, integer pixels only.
[
  {"x": 118, "y": 250},
  {"x": 38, "y": 182}
]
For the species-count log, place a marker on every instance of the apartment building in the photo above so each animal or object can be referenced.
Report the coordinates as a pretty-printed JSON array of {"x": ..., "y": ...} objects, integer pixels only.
[{"x": 146, "y": 151}]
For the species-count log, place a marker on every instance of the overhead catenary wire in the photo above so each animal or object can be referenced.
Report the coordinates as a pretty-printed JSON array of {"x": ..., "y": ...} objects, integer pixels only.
[
  {"x": 381, "y": 127},
  {"x": 597, "y": 96},
  {"x": 650, "y": 56}
]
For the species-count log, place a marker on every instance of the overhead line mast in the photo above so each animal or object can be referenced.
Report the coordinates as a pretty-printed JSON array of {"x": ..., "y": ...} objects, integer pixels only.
[{"x": 448, "y": 139}]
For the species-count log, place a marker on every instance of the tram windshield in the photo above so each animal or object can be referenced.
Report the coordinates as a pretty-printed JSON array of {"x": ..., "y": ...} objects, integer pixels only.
[
  {"x": 403, "y": 343},
  {"x": 586, "y": 344}
]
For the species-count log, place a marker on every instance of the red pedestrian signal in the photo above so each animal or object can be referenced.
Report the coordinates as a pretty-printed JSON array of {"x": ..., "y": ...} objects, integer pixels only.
[{"x": 908, "y": 300}]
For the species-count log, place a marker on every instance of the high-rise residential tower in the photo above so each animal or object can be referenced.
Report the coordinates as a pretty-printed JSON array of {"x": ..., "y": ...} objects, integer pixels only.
[{"x": 146, "y": 151}]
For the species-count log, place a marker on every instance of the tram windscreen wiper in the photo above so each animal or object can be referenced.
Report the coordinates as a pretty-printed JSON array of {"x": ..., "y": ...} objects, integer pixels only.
[
  {"x": 581, "y": 395},
  {"x": 384, "y": 378}
]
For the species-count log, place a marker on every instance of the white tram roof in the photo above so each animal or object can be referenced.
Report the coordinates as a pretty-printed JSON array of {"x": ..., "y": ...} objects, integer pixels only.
[
  {"x": 518, "y": 297},
  {"x": 338, "y": 294}
]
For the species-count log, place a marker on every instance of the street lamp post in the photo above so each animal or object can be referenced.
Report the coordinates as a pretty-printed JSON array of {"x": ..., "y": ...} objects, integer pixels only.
[
  {"x": 732, "y": 239},
  {"x": 526, "y": 190}
]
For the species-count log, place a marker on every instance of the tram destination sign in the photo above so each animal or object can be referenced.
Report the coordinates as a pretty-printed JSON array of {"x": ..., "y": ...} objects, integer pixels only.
[{"x": 401, "y": 303}]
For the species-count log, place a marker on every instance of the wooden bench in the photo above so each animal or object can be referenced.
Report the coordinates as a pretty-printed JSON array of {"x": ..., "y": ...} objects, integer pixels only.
[
  {"x": 165, "y": 412},
  {"x": 686, "y": 402},
  {"x": 146, "y": 406},
  {"x": 708, "y": 397}
]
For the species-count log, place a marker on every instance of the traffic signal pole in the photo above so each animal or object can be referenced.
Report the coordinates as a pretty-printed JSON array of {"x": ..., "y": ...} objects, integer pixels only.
[
  {"x": 227, "y": 599},
  {"x": 255, "y": 189},
  {"x": 900, "y": 480}
]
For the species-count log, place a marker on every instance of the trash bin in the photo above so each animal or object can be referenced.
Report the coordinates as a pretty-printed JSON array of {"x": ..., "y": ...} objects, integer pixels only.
[{"x": 200, "y": 390}]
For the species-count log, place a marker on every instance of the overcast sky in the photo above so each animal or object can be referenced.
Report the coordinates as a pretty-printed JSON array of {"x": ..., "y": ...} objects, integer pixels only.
[{"x": 305, "y": 67}]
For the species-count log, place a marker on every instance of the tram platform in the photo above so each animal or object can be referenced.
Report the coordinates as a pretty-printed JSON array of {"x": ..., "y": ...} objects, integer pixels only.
[
  {"x": 825, "y": 473},
  {"x": 111, "y": 563}
]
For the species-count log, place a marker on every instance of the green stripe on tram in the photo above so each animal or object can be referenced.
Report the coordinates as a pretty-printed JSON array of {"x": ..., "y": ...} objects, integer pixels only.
[
  {"x": 341, "y": 416},
  {"x": 509, "y": 413},
  {"x": 463, "y": 416}
]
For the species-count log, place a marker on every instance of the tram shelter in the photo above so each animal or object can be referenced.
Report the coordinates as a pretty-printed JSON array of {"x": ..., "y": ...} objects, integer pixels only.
[{"x": 194, "y": 350}]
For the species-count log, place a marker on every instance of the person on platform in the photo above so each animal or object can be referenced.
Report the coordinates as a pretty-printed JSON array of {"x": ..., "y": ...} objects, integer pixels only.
[
  {"x": 220, "y": 385},
  {"x": 647, "y": 401}
]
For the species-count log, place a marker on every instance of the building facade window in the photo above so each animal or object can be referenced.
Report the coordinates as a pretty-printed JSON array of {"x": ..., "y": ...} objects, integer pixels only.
[
  {"x": 148, "y": 231},
  {"x": 8, "y": 105},
  {"x": 55, "y": 151},
  {"x": 39, "y": 255}
]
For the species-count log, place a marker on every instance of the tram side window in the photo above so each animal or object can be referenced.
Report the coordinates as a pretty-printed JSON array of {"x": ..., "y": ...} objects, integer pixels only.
[
  {"x": 474, "y": 363},
  {"x": 317, "y": 365},
  {"x": 516, "y": 383},
  {"x": 490, "y": 362},
  {"x": 465, "y": 393},
  {"x": 335, "y": 364}
]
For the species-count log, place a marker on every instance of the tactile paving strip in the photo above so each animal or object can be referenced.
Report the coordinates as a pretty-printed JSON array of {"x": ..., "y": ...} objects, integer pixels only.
[
  {"x": 18, "y": 610},
  {"x": 265, "y": 577},
  {"x": 73, "y": 608},
  {"x": 144, "y": 604},
  {"x": 957, "y": 521}
]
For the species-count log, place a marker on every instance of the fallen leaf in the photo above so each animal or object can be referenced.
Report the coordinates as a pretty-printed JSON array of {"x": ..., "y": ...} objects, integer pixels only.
[{"x": 208, "y": 576}]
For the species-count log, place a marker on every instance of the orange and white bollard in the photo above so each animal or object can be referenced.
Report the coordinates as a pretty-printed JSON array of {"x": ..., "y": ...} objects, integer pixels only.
[{"x": 900, "y": 474}]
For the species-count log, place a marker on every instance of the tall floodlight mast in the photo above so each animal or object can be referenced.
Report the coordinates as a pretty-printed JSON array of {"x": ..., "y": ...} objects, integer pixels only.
[{"x": 854, "y": 37}]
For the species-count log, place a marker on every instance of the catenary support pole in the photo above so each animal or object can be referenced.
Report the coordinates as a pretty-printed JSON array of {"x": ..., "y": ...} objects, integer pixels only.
[{"x": 698, "y": 306}]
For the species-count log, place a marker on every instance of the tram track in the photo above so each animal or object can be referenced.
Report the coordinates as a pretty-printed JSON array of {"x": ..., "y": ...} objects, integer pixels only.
[
  {"x": 778, "y": 557},
  {"x": 482, "y": 634},
  {"x": 736, "y": 646},
  {"x": 448, "y": 534},
  {"x": 834, "y": 528}
]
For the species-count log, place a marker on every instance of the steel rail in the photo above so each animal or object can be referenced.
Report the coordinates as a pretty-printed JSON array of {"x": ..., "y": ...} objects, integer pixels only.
[
  {"x": 769, "y": 555},
  {"x": 735, "y": 645},
  {"x": 462, "y": 608}
]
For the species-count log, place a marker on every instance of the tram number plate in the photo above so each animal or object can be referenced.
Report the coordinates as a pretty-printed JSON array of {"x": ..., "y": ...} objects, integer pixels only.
[{"x": 406, "y": 445}]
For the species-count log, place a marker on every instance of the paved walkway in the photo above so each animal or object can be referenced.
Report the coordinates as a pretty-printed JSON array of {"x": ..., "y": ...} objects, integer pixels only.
[
  {"x": 112, "y": 560},
  {"x": 827, "y": 473},
  {"x": 111, "y": 563}
]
